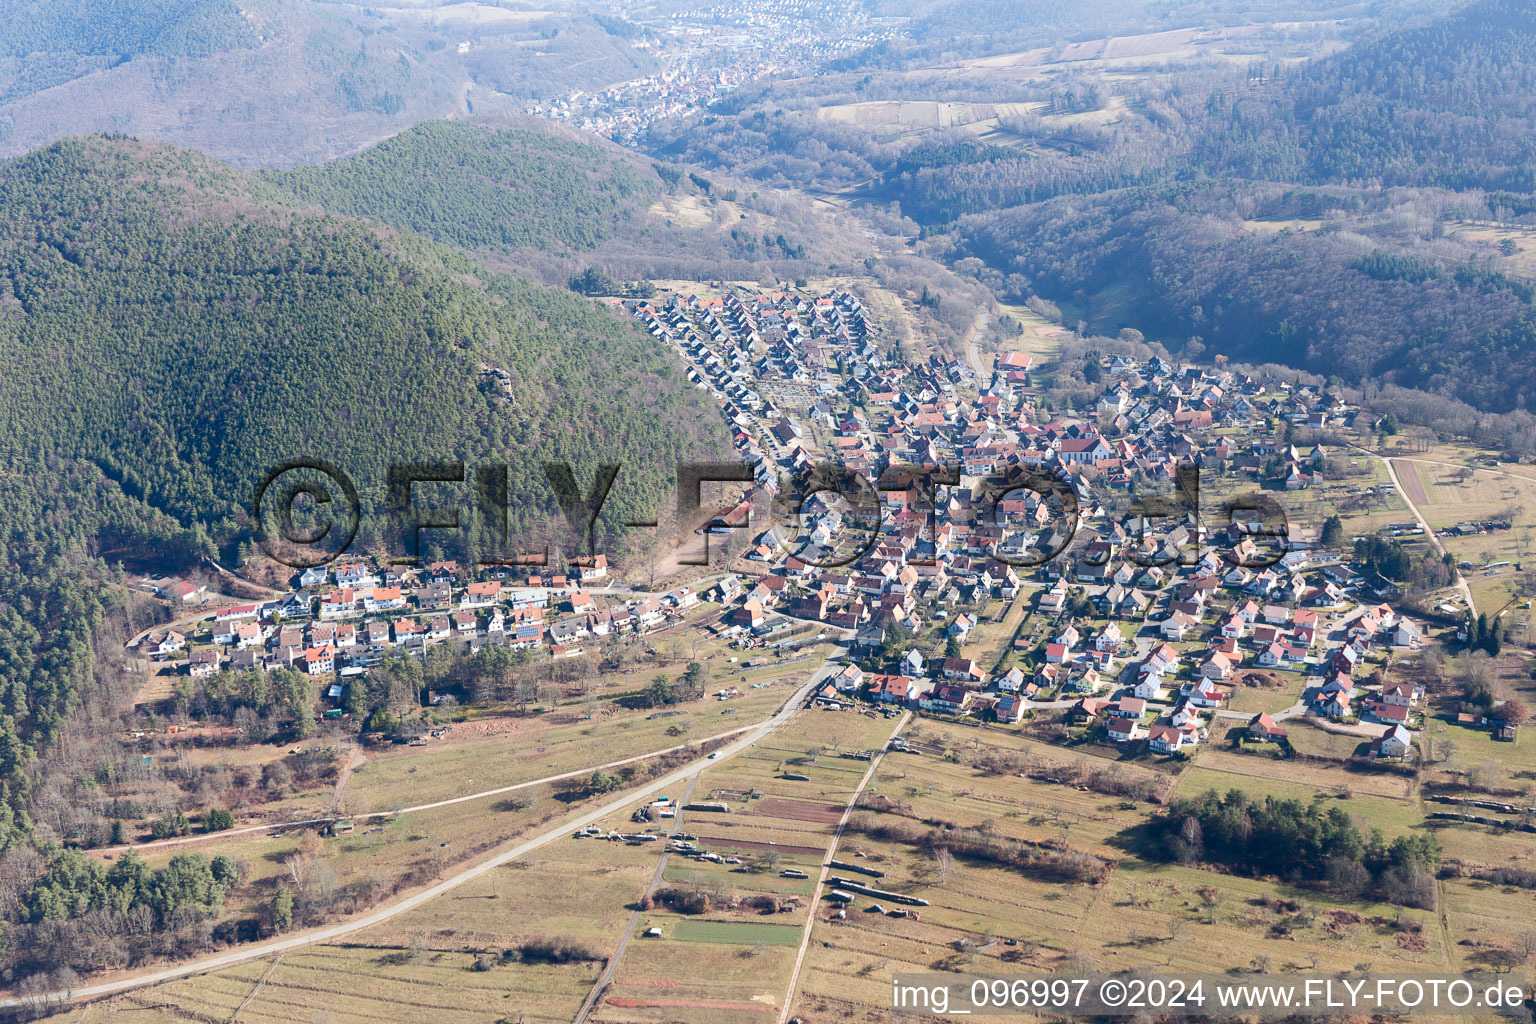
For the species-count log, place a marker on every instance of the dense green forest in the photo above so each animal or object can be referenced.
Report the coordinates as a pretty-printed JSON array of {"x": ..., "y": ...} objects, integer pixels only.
[
  {"x": 171, "y": 330},
  {"x": 351, "y": 344},
  {"x": 1300, "y": 842},
  {"x": 483, "y": 188}
]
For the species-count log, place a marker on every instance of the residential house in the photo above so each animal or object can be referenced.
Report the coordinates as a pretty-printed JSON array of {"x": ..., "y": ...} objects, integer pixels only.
[
  {"x": 480, "y": 594},
  {"x": 320, "y": 661},
  {"x": 1401, "y": 693},
  {"x": 963, "y": 670},
  {"x": 202, "y": 663},
  {"x": 750, "y": 614},
  {"x": 1170, "y": 739},
  {"x": 891, "y": 689},
  {"x": 1338, "y": 705},
  {"x": 591, "y": 569},
  {"x": 1127, "y": 707},
  {"x": 1262, "y": 727},
  {"x": 1204, "y": 694},
  {"x": 1011, "y": 681},
  {"x": 383, "y": 599},
  {"x": 1217, "y": 666},
  {"x": 1396, "y": 742},
  {"x": 849, "y": 679},
  {"x": 1124, "y": 730},
  {"x": 946, "y": 698}
]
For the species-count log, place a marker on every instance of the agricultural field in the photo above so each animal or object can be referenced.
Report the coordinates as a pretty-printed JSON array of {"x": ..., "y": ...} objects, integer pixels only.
[
  {"x": 532, "y": 749},
  {"x": 1521, "y": 262},
  {"x": 772, "y": 824},
  {"x": 1142, "y": 53},
  {"x": 1460, "y": 494},
  {"x": 444, "y": 960},
  {"x": 1148, "y": 913},
  {"x": 1038, "y": 337}
]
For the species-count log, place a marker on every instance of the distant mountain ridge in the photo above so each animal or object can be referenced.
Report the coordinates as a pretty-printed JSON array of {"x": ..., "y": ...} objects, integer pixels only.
[
  {"x": 1305, "y": 220},
  {"x": 1450, "y": 104},
  {"x": 278, "y": 83}
]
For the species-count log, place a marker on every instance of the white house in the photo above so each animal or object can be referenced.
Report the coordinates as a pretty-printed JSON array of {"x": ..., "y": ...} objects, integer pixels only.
[{"x": 1396, "y": 742}]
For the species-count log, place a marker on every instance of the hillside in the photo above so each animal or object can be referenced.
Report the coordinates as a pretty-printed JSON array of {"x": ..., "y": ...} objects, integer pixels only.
[
  {"x": 1449, "y": 104},
  {"x": 481, "y": 187},
  {"x": 171, "y": 330},
  {"x": 1221, "y": 206},
  {"x": 1407, "y": 134},
  {"x": 275, "y": 83},
  {"x": 366, "y": 345},
  {"x": 549, "y": 202},
  {"x": 1174, "y": 262}
]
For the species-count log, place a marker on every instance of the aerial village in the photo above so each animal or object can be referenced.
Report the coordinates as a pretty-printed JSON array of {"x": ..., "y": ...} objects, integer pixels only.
[
  {"x": 1129, "y": 633},
  {"x": 1138, "y": 634},
  {"x": 705, "y": 54}
]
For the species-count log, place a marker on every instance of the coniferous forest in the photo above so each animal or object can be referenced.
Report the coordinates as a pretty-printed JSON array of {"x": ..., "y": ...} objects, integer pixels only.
[{"x": 170, "y": 329}]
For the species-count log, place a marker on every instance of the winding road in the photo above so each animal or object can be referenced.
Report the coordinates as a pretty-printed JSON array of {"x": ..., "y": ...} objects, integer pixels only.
[{"x": 332, "y": 932}]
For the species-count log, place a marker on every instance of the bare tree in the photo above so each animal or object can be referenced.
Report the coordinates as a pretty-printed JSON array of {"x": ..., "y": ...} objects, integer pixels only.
[{"x": 1526, "y": 945}]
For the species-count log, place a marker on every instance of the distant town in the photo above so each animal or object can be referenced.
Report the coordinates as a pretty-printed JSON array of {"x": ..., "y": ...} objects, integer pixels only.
[{"x": 706, "y": 53}]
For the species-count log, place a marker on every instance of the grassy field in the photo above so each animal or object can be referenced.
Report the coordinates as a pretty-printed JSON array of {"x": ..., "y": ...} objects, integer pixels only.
[
  {"x": 1393, "y": 816},
  {"x": 536, "y": 748},
  {"x": 1148, "y": 914},
  {"x": 923, "y": 115},
  {"x": 422, "y": 964},
  {"x": 738, "y": 933},
  {"x": 1039, "y": 338},
  {"x": 1521, "y": 263},
  {"x": 1253, "y": 699}
]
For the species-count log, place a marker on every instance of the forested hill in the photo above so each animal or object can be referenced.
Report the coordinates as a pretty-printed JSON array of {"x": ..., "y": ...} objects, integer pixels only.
[
  {"x": 1355, "y": 175},
  {"x": 483, "y": 187},
  {"x": 167, "y": 28},
  {"x": 183, "y": 328},
  {"x": 1451, "y": 104},
  {"x": 1171, "y": 261},
  {"x": 169, "y": 330}
]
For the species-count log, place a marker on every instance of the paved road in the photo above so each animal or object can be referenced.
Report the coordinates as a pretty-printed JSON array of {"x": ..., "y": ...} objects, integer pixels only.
[
  {"x": 332, "y": 932},
  {"x": 973, "y": 351}
]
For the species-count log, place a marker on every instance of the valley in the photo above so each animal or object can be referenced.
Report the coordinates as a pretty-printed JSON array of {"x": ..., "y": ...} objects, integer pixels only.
[{"x": 814, "y": 492}]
